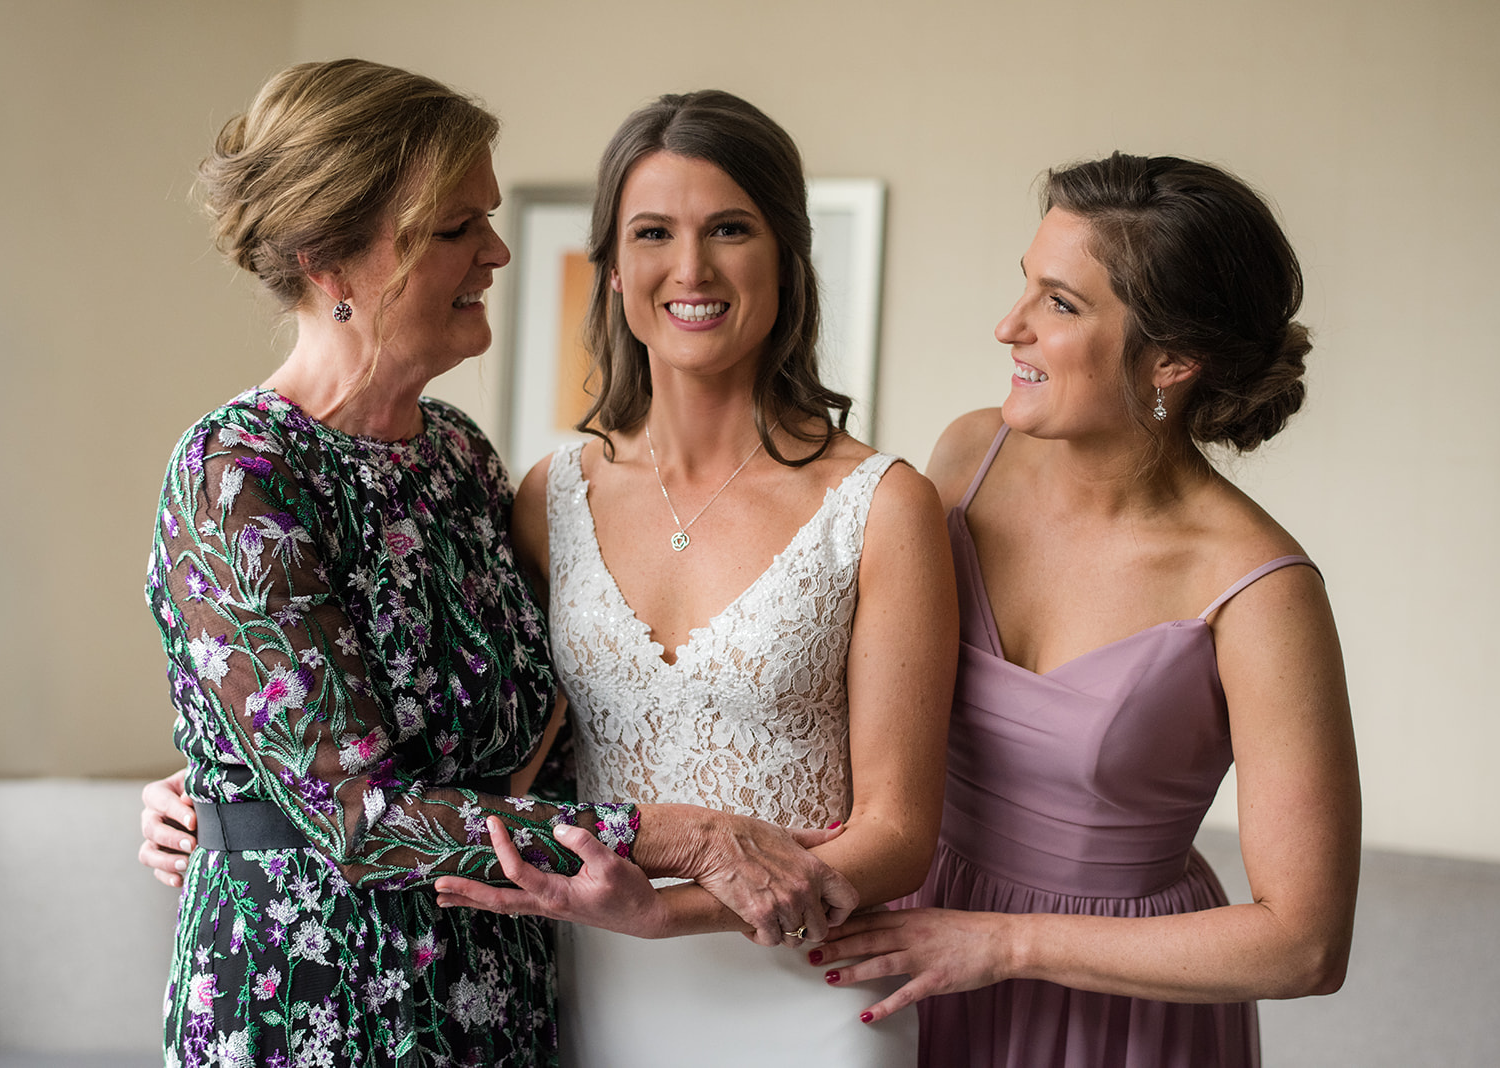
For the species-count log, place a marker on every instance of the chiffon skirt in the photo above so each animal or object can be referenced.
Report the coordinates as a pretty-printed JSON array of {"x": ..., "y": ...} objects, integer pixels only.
[{"x": 1026, "y": 1023}]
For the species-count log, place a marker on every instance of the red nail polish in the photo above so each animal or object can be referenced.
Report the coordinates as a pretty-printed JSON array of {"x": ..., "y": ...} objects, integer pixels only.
[
  {"x": 866, "y": 1017},
  {"x": 835, "y": 825},
  {"x": 815, "y": 957},
  {"x": 831, "y": 978}
]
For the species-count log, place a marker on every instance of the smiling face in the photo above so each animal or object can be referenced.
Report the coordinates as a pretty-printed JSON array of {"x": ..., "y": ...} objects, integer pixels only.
[
  {"x": 1067, "y": 337},
  {"x": 696, "y": 265},
  {"x": 439, "y": 320}
]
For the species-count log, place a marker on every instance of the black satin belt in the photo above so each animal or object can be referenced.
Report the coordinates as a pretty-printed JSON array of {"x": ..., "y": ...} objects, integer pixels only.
[
  {"x": 234, "y": 827},
  {"x": 241, "y": 825}
]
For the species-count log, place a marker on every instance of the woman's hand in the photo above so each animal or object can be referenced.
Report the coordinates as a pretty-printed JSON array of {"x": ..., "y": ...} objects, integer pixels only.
[
  {"x": 943, "y": 950},
  {"x": 167, "y": 823},
  {"x": 760, "y": 872},
  {"x": 609, "y": 892}
]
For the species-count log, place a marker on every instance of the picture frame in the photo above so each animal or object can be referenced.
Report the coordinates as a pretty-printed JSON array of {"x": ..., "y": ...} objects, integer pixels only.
[{"x": 544, "y": 362}]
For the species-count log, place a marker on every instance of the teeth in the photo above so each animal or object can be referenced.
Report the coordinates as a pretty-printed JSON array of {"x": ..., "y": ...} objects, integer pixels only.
[
  {"x": 469, "y": 298},
  {"x": 1030, "y": 374},
  {"x": 697, "y": 312}
]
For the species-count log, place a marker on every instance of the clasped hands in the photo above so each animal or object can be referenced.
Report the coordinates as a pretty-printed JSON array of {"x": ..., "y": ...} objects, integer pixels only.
[{"x": 762, "y": 873}]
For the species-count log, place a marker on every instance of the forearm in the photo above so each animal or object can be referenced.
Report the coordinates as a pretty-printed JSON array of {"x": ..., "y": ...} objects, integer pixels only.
[
  {"x": 883, "y": 864},
  {"x": 693, "y": 910},
  {"x": 886, "y": 857},
  {"x": 761, "y": 872},
  {"x": 671, "y": 839},
  {"x": 442, "y": 831},
  {"x": 1233, "y": 953}
]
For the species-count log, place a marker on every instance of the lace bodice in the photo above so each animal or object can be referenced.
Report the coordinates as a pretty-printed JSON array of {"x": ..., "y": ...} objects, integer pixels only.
[{"x": 754, "y": 715}]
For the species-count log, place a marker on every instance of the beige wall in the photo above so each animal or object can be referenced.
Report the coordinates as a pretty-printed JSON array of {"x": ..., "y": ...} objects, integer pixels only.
[{"x": 1375, "y": 125}]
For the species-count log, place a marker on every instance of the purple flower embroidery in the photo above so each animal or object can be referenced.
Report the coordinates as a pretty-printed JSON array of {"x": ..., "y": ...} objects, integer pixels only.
[
  {"x": 194, "y": 456},
  {"x": 286, "y": 533},
  {"x": 199, "y": 585},
  {"x": 383, "y": 775},
  {"x": 257, "y": 465}
]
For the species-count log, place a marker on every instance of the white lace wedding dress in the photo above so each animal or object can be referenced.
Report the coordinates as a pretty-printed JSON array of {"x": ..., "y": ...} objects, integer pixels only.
[{"x": 752, "y": 718}]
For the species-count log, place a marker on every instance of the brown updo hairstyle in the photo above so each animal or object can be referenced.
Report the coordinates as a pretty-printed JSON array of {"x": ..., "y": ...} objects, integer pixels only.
[
  {"x": 738, "y": 138},
  {"x": 304, "y": 180},
  {"x": 1205, "y": 272}
]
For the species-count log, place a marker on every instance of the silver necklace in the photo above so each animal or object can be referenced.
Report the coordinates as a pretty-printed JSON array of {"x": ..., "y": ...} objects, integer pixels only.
[{"x": 680, "y": 540}]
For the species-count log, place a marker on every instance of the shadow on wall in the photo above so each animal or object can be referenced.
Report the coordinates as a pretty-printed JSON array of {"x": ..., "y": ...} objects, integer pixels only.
[{"x": 86, "y": 935}]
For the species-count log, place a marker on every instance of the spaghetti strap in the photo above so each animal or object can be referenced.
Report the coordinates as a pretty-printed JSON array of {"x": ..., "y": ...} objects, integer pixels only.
[
  {"x": 984, "y": 468},
  {"x": 1260, "y": 572}
]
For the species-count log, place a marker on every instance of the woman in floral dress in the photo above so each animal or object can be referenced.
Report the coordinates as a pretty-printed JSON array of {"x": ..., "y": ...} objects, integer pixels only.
[{"x": 357, "y": 664}]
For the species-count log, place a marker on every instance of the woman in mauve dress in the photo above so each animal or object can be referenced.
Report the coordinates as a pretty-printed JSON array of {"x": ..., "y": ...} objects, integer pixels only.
[{"x": 1131, "y": 623}]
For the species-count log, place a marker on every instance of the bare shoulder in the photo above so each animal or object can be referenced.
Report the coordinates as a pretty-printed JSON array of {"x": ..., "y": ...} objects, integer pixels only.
[
  {"x": 906, "y": 514},
  {"x": 1247, "y": 537},
  {"x": 959, "y": 450},
  {"x": 902, "y": 487}
]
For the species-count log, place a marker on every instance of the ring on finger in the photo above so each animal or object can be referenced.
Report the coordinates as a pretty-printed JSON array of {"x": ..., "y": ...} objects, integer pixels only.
[{"x": 800, "y": 932}]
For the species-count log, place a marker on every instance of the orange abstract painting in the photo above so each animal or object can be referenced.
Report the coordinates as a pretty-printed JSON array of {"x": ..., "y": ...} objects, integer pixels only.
[{"x": 572, "y": 358}]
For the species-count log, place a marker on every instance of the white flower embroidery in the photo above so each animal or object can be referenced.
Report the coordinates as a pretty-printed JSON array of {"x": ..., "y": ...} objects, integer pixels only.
[
  {"x": 282, "y": 911},
  {"x": 409, "y": 717},
  {"x": 310, "y": 942},
  {"x": 230, "y": 484},
  {"x": 374, "y": 806},
  {"x": 201, "y": 992},
  {"x": 348, "y": 642},
  {"x": 210, "y": 656},
  {"x": 230, "y": 436}
]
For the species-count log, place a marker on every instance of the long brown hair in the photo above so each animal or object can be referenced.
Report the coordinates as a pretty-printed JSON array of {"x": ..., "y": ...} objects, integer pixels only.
[{"x": 739, "y": 139}]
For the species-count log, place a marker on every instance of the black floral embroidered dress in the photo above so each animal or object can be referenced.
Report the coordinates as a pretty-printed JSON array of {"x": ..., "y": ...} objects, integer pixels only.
[{"x": 349, "y": 637}]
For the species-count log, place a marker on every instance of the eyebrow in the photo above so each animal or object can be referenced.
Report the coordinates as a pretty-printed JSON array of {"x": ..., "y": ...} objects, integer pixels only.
[
  {"x": 716, "y": 217},
  {"x": 469, "y": 211},
  {"x": 1057, "y": 283}
]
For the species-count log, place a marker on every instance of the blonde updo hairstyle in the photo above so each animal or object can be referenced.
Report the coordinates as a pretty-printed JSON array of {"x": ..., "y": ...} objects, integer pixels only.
[
  {"x": 306, "y": 178},
  {"x": 1205, "y": 272}
]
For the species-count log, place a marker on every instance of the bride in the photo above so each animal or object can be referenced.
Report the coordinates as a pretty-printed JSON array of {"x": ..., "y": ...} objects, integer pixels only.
[{"x": 750, "y": 610}]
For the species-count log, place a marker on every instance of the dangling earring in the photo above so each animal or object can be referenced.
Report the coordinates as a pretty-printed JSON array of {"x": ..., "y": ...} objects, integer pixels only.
[
  {"x": 343, "y": 312},
  {"x": 1160, "y": 411}
]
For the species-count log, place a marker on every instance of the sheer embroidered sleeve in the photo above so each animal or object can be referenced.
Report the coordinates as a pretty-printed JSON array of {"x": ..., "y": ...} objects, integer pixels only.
[{"x": 270, "y": 650}]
